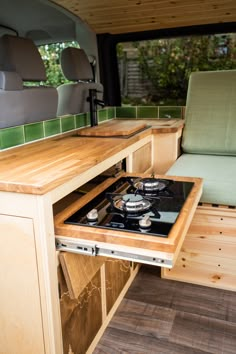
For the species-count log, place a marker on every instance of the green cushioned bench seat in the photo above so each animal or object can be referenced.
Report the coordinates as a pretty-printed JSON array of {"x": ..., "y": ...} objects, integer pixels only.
[
  {"x": 210, "y": 126},
  {"x": 218, "y": 173}
]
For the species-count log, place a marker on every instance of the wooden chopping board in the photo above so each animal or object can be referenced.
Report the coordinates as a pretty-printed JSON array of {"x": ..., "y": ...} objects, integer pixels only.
[{"x": 114, "y": 128}]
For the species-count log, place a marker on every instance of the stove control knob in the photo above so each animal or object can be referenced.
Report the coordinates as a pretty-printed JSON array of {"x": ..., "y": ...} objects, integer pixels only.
[
  {"x": 145, "y": 222},
  {"x": 92, "y": 215}
]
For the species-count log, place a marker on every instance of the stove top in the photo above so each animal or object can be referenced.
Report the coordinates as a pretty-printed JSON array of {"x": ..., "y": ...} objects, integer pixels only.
[{"x": 141, "y": 205}]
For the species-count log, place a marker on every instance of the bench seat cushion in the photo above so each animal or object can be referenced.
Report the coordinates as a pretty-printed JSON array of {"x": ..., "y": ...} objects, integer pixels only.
[
  {"x": 210, "y": 126},
  {"x": 218, "y": 173}
]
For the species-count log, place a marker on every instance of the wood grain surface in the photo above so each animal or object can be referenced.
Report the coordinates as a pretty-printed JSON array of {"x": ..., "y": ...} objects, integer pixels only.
[
  {"x": 207, "y": 256},
  {"x": 79, "y": 271},
  {"x": 81, "y": 317},
  {"x": 41, "y": 166},
  {"x": 114, "y": 128},
  {"x": 112, "y": 16},
  {"x": 117, "y": 274}
]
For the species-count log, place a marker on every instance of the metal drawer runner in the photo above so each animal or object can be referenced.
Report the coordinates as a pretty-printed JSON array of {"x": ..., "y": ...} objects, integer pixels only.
[{"x": 84, "y": 247}]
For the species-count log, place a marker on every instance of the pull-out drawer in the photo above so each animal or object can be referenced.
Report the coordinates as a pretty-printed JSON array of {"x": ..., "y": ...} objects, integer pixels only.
[
  {"x": 138, "y": 247},
  {"x": 207, "y": 256}
]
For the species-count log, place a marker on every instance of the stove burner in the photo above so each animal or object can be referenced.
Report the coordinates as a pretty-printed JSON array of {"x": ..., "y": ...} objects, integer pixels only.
[
  {"x": 122, "y": 206},
  {"x": 149, "y": 185},
  {"x": 132, "y": 203}
]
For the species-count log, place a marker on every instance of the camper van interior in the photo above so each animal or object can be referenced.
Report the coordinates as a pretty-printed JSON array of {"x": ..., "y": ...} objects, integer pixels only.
[{"x": 117, "y": 176}]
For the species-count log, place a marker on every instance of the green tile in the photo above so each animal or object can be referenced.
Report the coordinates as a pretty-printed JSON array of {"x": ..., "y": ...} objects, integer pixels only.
[
  {"x": 147, "y": 112},
  {"x": 34, "y": 131},
  {"x": 12, "y": 136},
  {"x": 81, "y": 120},
  {"x": 110, "y": 112},
  {"x": 125, "y": 112},
  {"x": 67, "y": 123},
  {"x": 88, "y": 118},
  {"x": 170, "y": 112},
  {"x": 102, "y": 115},
  {"x": 52, "y": 127}
]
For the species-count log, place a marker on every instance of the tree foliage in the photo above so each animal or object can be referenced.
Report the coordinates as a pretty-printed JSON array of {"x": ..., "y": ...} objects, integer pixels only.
[
  {"x": 167, "y": 63},
  {"x": 51, "y": 57}
]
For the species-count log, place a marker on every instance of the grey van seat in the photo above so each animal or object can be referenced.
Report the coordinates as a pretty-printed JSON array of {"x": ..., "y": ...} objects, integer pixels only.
[
  {"x": 21, "y": 61},
  {"x": 209, "y": 136},
  {"x": 72, "y": 97}
]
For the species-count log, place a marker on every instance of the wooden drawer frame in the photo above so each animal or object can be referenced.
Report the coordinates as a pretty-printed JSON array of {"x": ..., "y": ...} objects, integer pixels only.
[{"x": 208, "y": 254}]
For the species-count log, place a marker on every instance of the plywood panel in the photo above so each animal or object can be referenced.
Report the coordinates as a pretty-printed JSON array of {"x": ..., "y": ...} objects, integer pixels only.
[
  {"x": 205, "y": 261},
  {"x": 214, "y": 222},
  {"x": 205, "y": 276},
  {"x": 81, "y": 317},
  {"x": 207, "y": 255},
  {"x": 79, "y": 271},
  {"x": 117, "y": 274},
  {"x": 166, "y": 149},
  {"x": 20, "y": 319},
  {"x": 142, "y": 159}
]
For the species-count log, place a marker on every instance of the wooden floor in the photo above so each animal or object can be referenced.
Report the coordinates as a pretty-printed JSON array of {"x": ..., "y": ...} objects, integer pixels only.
[{"x": 164, "y": 316}]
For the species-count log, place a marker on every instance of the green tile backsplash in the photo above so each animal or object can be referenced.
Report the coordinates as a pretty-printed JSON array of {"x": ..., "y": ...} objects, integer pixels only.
[
  {"x": 10, "y": 137},
  {"x": 67, "y": 123},
  {"x": 34, "y": 131},
  {"x": 81, "y": 120},
  {"x": 52, "y": 127},
  {"x": 147, "y": 112},
  {"x": 102, "y": 115},
  {"x": 111, "y": 113},
  {"x": 170, "y": 112},
  {"x": 126, "y": 112}
]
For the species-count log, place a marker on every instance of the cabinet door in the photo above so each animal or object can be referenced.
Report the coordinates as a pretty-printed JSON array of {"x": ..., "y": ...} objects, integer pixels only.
[
  {"x": 166, "y": 150},
  {"x": 142, "y": 159},
  {"x": 20, "y": 313}
]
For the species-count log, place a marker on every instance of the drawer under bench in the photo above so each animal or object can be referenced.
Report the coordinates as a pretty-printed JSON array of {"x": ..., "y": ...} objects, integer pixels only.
[{"x": 208, "y": 254}]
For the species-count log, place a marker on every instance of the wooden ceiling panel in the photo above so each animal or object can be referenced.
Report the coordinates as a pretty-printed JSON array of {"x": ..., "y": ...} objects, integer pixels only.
[{"x": 123, "y": 16}]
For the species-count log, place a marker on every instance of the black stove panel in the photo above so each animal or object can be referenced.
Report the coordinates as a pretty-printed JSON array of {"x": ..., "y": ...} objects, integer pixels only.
[{"x": 125, "y": 207}]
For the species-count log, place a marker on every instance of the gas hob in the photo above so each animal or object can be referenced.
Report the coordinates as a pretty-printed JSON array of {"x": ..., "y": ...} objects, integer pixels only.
[{"x": 147, "y": 206}]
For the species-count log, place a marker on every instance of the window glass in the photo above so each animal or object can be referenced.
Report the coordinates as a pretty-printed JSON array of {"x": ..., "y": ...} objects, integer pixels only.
[
  {"x": 156, "y": 72},
  {"x": 51, "y": 57}
]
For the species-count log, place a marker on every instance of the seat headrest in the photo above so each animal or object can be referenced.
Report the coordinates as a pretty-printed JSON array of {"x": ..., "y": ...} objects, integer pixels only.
[
  {"x": 75, "y": 65},
  {"x": 22, "y": 56}
]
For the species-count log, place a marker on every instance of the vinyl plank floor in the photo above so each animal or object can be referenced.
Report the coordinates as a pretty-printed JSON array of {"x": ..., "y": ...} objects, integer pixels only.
[
  {"x": 202, "y": 300},
  {"x": 159, "y": 316}
]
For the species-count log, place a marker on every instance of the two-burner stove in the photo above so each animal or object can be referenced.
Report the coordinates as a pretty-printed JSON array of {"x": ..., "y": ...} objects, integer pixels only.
[{"x": 141, "y": 205}]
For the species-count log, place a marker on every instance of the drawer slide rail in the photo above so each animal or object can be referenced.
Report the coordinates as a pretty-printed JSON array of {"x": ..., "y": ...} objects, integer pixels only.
[{"x": 90, "y": 249}]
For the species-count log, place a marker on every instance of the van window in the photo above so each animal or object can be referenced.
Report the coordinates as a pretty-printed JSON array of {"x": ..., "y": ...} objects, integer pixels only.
[
  {"x": 51, "y": 57},
  {"x": 156, "y": 72}
]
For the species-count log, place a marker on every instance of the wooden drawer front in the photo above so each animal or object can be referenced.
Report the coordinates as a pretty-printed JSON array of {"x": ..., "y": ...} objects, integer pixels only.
[
  {"x": 219, "y": 227},
  {"x": 209, "y": 246},
  {"x": 203, "y": 275},
  {"x": 208, "y": 254},
  {"x": 205, "y": 261},
  {"x": 142, "y": 159}
]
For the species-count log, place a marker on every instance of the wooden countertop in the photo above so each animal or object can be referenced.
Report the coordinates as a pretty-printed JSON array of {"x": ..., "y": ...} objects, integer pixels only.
[{"x": 41, "y": 166}]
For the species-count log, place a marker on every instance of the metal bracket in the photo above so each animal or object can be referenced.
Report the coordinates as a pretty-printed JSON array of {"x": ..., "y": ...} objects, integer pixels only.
[
  {"x": 76, "y": 247},
  {"x": 90, "y": 249}
]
